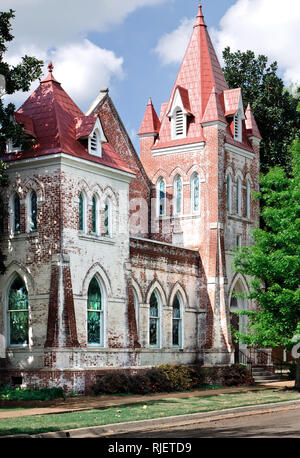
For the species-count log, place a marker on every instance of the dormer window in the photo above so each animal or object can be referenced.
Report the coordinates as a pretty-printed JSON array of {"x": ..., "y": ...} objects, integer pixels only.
[
  {"x": 95, "y": 145},
  {"x": 180, "y": 110},
  {"x": 96, "y": 138}
]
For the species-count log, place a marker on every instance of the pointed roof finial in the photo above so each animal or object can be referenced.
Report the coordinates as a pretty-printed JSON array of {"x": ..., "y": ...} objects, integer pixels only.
[
  {"x": 50, "y": 67},
  {"x": 200, "y": 17}
]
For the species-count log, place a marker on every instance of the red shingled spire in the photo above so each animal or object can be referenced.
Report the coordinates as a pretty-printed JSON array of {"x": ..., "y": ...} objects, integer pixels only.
[
  {"x": 199, "y": 73},
  {"x": 151, "y": 122},
  {"x": 59, "y": 126},
  {"x": 251, "y": 126}
]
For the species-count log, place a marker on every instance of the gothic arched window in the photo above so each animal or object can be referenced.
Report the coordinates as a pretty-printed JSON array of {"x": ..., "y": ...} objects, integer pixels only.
[
  {"x": 161, "y": 197},
  {"x": 248, "y": 200},
  {"x": 177, "y": 322},
  {"x": 108, "y": 218},
  {"x": 16, "y": 214},
  {"x": 228, "y": 193},
  {"x": 239, "y": 196},
  {"x": 95, "y": 320},
  {"x": 154, "y": 324},
  {"x": 195, "y": 193},
  {"x": 18, "y": 313},
  {"x": 177, "y": 195},
  {"x": 33, "y": 211}
]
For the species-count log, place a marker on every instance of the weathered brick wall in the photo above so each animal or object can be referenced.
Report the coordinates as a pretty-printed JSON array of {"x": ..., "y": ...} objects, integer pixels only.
[
  {"x": 139, "y": 193},
  {"x": 169, "y": 270}
]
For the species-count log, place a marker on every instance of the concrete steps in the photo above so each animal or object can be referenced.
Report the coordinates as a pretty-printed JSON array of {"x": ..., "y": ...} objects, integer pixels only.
[{"x": 261, "y": 375}]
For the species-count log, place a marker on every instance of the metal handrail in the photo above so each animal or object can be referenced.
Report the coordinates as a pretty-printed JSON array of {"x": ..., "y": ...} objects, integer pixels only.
[{"x": 244, "y": 359}]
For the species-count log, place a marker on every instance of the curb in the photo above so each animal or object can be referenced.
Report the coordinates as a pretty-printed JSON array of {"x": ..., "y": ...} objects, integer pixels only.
[{"x": 162, "y": 423}]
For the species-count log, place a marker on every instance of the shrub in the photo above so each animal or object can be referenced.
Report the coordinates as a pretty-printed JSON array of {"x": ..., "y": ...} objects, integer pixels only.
[
  {"x": 179, "y": 376},
  {"x": 112, "y": 383},
  {"x": 158, "y": 380},
  {"x": 236, "y": 375},
  {"x": 139, "y": 384},
  {"x": 30, "y": 394}
]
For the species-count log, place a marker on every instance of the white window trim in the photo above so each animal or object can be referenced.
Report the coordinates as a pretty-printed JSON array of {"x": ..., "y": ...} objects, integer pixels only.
[
  {"x": 102, "y": 343},
  {"x": 181, "y": 319},
  {"x": 158, "y": 200},
  {"x": 159, "y": 320},
  {"x": 237, "y": 121},
  {"x": 109, "y": 228},
  {"x": 229, "y": 193},
  {"x": 239, "y": 196},
  {"x": 192, "y": 185},
  {"x": 84, "y": 230},
  {"x": 100, "y": 138},
  {"x": 248, "y": 199},
  {"x": 176, "y": 106},
  {"x": 98, "y": 219},
  {"x": 175, "y": 211},
  {"x": 8, "y": 328}
]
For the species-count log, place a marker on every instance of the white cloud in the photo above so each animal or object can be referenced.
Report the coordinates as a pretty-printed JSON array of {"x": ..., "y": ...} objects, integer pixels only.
[
  {"x": 58, "y": 30},
  {"x": 171, "y": 46},
  {"x": 51, "y": 23},
  {"x": 269, "y": 27},
  {"x": 82, "y": 68},
  {"x": 85, "y": 66}
]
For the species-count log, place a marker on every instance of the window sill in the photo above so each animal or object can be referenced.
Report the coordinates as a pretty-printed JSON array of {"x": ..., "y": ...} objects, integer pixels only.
[
  {"x": 239, "y": 218},
  {"x": 97, "y": 238},
  {"x": 22, "y": 235}
]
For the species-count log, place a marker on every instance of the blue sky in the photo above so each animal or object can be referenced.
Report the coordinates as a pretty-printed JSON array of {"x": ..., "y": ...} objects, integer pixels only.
[{"x": 135, "y": 46}]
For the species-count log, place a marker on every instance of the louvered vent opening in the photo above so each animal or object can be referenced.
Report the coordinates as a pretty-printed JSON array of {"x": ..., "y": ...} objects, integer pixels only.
[
  {"x": 236, "y": 126},
  {"x": 94, "y": 142},
  {"x": 179, "y": 123}
]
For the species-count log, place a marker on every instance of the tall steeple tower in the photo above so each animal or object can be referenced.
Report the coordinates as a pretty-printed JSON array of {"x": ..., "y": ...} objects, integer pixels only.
[{"x": 203, "y": 134}]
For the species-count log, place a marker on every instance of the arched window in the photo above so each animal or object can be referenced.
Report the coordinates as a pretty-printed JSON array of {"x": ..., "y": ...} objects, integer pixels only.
[
  {"x": 177, "y": 322},
  {"x": 95, "y": 319},
  {"x": 33, "y": 211},
  {"x": 248, "y": 200},
  {"x": 95, "y": 215},
  {"x": 136, "y": 309},
  {"x": 238, "y": 196},
  {"x": 228, "y": 193},
  {"x": 154, "y": 325},
  {"x": 177, "y": 195},
  {"x": 195, "y": 193},
  {"x": 108, "y": 218},
  {"x": 161, "y": 197},
  {"x": 16, "y": 214},
  {"x": 18, "y": 313},
  {"x": 82, "y": 210}
]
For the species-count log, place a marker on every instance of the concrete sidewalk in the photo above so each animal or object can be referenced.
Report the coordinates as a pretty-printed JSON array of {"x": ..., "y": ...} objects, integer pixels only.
[{"x": 90, "y": 403}]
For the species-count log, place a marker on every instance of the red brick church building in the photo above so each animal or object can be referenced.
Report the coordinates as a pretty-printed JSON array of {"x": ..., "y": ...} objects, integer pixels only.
[{"x": 123, "y": 260}]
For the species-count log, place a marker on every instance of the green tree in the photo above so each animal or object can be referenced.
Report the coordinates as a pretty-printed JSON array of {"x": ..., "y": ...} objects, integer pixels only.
[
  {"x": 274, "y": 107},
  {"x": 273, "y": 262},
  {"x": 16, "y": 78}
]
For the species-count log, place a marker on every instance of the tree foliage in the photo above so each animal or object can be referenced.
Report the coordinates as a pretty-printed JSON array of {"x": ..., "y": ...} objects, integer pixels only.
[
  {"x": 273, "y": 261},
  {"x": 274, "y": 107},
  {"x": 17, "y": 78}
]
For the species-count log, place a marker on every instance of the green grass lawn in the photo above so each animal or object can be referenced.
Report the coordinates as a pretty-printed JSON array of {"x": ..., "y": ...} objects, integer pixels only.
[{"x": 141, "y": 411}]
